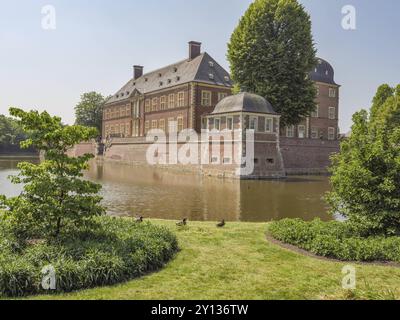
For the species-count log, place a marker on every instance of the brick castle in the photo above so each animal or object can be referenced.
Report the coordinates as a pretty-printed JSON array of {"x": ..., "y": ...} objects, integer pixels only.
[{"x": 195, "y": 93}]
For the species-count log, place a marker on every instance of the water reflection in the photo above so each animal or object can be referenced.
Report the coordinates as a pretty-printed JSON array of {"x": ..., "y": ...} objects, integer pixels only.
[{"x": 156, "y": 193}]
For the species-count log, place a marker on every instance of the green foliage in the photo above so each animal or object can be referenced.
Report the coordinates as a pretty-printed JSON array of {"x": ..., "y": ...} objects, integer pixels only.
[
  {"x": 11, "y": 133},
  {"x": 366, "y": 173},
  {"x": 55, "y": 195},
  {"x": 117, "y": 251},
  {"x": 335, "y": 240},
  {"x": 89, "y": 111},
  {"x": 271, "y": 53}
]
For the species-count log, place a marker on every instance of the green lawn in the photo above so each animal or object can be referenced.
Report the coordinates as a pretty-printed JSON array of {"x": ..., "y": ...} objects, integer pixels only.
[{"x": 237, "y": 262}]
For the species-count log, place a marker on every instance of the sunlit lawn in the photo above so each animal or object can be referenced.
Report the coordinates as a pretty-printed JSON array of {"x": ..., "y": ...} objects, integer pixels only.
[{"x": 237, "y": 262}]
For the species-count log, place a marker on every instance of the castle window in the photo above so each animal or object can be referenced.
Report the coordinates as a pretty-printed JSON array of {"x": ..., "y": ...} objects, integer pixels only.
[
  {"x": 147, "y": 105},
  {"x": 135, "y": 128},
  {"x": 136, "y": 109},
  {"x": 331, "y": 133},
  {"x": 171, "y": 101},
  {"x": 217, "y": 124},
  {"x": 269, "y": 124},
  {"x": 314, "y": 133},
  {"x": 154, "y": 104},
  {"x": 290, "y": 132},
  {"x": 221, "y": 95},
  {"x": 332, "y": 113},
  {"x": 204, "y": 123},
  {"x": 181, "y": 99},
  {"x": 162, "y": 125},
  {"x": 163, "y": 103},
  {"x": 253, "y": 123},
  {"x": 302, "y": 132},
  {"x": 206, "y": 98},
  {"x": 229, "y": 123},
  {"x": 315, "y": 113},
  {"x": 332, "y": 93},
  {"x": 180, "y": 124}
]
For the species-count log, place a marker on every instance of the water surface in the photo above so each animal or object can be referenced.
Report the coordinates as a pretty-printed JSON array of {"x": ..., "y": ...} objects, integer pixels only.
[{"x": 155, "y": 193}]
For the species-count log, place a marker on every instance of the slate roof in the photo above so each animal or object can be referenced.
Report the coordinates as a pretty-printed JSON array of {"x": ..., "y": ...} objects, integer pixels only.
[
  {"x": 199, "y": 69},
  {"x": 323, "y": 72},
  {"x": 244, "y": 102}
]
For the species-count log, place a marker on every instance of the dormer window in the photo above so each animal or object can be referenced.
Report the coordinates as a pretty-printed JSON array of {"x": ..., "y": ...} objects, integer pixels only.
[
  {"x": 146, "y": 80},
  {"x": 127, "y": 93},
  {"x": 227, "y": 79},
  {"x": 211, "y": 63},
  {"x": 117, "y": 96},
  {"x": 327, "y": 72},
  {"x": 175, "y": 69},
  {"x": 211, "y": 76}
]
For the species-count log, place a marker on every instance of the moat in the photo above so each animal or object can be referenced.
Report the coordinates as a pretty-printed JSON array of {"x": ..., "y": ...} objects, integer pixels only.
[{"x": 155, "y": 193}]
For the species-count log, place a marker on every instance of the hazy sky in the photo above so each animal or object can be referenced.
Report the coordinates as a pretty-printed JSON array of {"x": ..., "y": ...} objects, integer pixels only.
[{"x": 96, "y": 43}]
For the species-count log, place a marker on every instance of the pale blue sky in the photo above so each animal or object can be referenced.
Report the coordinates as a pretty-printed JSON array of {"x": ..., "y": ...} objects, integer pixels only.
[{"x": 97, "y": 42}]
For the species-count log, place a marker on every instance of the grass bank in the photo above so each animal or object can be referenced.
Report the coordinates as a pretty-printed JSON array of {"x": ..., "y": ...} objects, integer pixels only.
[{"x": 238, "y": 263}]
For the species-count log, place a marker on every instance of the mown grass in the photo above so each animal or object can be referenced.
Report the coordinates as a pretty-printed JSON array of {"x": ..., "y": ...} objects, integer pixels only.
[{"x": 237, "y": 262}]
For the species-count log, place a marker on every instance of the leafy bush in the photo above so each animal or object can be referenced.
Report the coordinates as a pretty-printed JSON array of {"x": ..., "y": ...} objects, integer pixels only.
[
  {"x": 336, "y": 240},
  {"x": 118, "y": 250},
  {"x": 55, "y": 197},
  {"x": 366, "y": 174}
]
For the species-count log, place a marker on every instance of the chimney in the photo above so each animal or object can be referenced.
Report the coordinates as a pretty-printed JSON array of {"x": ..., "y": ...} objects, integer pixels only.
[
  {"x": 137, "y": 72},
  {"x": 194, "y": 49}
]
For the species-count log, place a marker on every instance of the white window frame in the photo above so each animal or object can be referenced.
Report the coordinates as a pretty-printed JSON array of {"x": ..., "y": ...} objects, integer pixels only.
[
  {"x": 219, "y": 124},
  {"x": 179, "y": 123},
  {"x": 314, "y": 130},
  {"x": 232, "y": 123},
  {"x": 331, "y": 133},
  {"x": 332, "y": 113},
  {"x": 290, "y": 131},
  {"x": 303, "y": 129},
  {"x": 255, "y": 123},
  {"x": 181, "y": 99},
  {"x": 206, "y": 98},
  {"x": 271, "y": 127},
  {"x": 332, "y": 92},
  {"x": 171, "y": 101},
  {"x": 315, "y": 114}
]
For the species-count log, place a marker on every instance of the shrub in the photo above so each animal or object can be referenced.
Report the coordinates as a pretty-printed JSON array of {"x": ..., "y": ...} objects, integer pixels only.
[
  {"x": 55, "y": 197},
  {"x": 336, "y": 240},
  {"x": 118, "y": 250},
  {"x": 366, "y": 174}
]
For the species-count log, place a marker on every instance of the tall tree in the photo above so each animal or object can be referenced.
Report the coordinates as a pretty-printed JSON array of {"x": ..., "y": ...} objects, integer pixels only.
[
  {"x": 89, "y": 111},
  {"x": 366, "y": 173},
  {"x": 272, "y": 52}
]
